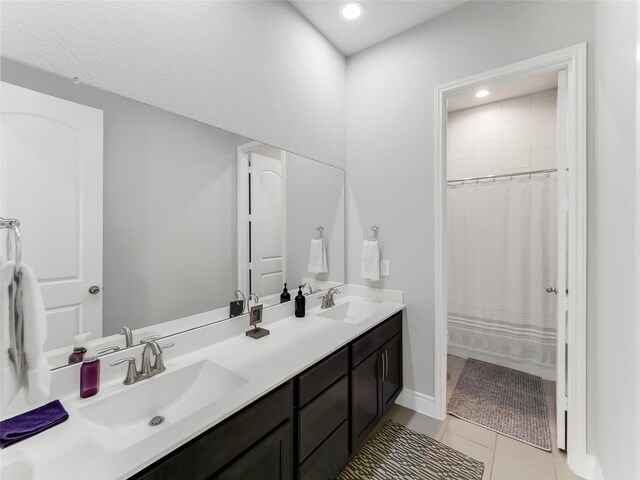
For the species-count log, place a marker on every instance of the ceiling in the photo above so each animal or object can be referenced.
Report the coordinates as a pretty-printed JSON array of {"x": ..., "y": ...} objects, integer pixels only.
[
  {"x": 504, "y": 89},
  {"x": 382, "y": 19}
]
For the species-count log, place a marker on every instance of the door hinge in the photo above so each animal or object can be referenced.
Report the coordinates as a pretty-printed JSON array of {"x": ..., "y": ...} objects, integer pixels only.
[
  {"x": 250, "y": 267},
  {"x": 563, "y": 302},
  {"x": 564, "y": 403}
]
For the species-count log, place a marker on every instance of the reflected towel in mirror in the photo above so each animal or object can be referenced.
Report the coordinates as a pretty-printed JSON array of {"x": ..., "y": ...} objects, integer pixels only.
[
  {"x": 8, "y": 370},
  {"x": 370, "y": 269},
  {"x": 30, "y": 311},
  {"x": 318, "y": 256}
]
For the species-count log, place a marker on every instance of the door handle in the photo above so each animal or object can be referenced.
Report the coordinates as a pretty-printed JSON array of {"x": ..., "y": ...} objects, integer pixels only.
[
  {"x": 94, "y": 289},
  {"x": 552, "y": 290}
]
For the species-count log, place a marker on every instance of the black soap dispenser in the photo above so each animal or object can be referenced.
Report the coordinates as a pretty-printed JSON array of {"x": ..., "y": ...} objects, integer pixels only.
[
  {"x": 300, "y": 303},
  {"x": 285, "y": 296}
]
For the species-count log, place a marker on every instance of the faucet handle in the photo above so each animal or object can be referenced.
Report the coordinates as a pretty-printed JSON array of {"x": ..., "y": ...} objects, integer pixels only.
[
  {"x": 106, "y": 350},
  {"x": 132, "y": 371},
  {"x": 149, "y": 339},
  {"x": 158, "y": 365}
]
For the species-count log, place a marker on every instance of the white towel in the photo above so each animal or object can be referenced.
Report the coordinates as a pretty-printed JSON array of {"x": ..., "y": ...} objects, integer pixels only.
[
  {"x": 8, "y": 371},
  {"x": 370, "y": 269},
  {"x": 29, "y": 304},
  {"x": 317, "y": 256}
]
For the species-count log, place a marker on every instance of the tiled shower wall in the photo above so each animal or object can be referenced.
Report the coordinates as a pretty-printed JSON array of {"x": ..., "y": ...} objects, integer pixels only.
[{"x": 513, "y": 135}]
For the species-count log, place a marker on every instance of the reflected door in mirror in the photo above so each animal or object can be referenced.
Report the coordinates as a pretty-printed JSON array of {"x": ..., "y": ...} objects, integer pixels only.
[
  {"x": 51, "y": 180},
  {"x": 266, "y": 209}
]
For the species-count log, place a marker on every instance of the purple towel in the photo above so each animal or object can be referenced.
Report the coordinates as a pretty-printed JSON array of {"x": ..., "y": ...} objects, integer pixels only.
[{"x": 28, "y": 424}]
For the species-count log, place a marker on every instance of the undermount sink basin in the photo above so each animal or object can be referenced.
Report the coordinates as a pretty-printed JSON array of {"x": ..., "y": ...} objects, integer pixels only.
[
  {"x": 173, "y": 395},
  {"x": 352, "y": 312}
]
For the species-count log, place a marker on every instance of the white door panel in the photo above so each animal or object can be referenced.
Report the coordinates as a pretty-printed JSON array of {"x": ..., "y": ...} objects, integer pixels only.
[
  {"x": 51, "y": 180},
  {"x": 266, "y": 225}
]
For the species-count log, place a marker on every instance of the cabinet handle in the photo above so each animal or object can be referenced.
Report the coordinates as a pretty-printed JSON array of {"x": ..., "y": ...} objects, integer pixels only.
[
  {"x": 384, "y": 366},
  {"x": 386, "y": 356}
]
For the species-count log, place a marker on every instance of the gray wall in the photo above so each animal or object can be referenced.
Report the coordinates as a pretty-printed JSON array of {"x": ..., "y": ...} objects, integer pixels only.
[
  {"x": 170, "y": 205},
  {"x": 390, "y": 149},
  {"x": 612, "y": 289},
  {"x": 315, "y": 196},
  {"x": 257, "y": 68}
]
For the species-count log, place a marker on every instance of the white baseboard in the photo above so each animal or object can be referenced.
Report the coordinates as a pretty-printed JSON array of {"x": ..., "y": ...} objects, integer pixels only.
[
  {"x": 594, "y": 472},
  {"x": 547, "y": 373},
  {"x": 417, "y": 401}
]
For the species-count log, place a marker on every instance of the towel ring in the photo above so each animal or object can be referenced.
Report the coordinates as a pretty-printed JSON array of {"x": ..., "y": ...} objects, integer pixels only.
[{"x": 14, "y": 240}]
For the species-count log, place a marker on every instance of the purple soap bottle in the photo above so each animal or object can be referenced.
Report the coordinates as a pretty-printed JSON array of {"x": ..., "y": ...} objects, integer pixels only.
[
  {"x": 90, "y": 373},
  {"x": 78, "y": 349}
]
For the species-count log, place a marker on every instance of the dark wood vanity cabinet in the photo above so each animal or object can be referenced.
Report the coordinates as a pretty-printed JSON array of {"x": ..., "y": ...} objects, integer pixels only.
[
  {"x": 254, "y": 444},
  {"x": 321, "y": 410},
  {"x": 305, "y": 429},
  {"x": 376, "y": 376}
]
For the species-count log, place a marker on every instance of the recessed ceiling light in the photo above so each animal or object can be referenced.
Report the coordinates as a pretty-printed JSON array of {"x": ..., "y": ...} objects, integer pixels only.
[
  {"x": 482, "y": 93},
  {"x": 351, "y": 10}
]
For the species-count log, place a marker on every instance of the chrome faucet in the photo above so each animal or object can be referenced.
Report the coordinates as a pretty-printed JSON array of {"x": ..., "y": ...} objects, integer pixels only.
[
  {"x": 146, "y": 371},
  {"x": 128, "y": 336},
  {"x": 327, "y": 299},
  {"x": 309, "y": 287}
]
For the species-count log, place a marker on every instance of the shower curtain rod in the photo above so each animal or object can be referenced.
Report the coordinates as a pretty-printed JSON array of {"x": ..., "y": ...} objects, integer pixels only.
[{"x": 504, "y": 175}]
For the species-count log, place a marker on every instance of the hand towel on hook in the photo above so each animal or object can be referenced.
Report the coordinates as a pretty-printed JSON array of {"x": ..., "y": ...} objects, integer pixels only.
[
  {"x": 370, "y": 269},
  {"x": 317, "y": 256}
]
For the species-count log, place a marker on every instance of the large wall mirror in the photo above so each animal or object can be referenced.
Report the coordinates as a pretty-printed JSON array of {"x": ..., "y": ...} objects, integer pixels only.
[{"x": 165, "y": 215}]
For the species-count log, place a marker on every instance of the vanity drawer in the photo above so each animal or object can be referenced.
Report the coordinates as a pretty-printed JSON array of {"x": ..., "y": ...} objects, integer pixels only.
[
  {"x": 330, "y": 457},
  {"x": 322, "y": 416},
  {"x": 371, "y": 341},
  {"x": 319, "y": 377},
  {"x": 207, "y": 454}
]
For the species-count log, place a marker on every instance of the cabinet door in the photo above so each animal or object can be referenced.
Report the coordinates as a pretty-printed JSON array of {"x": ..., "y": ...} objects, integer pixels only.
[
  {"x": 269, "y": 459},
  {"x": 392, "y": 374},
  {"x": 366, "y": 406}
]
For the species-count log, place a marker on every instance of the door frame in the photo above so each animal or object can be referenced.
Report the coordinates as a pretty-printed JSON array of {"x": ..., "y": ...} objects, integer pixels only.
[
  {"x": 574, "y": 60},
  {"x": 243, "y": 208}
]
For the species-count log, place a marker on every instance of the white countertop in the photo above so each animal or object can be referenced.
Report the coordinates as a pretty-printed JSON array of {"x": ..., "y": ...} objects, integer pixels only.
[{"x": 82, "y": 449}]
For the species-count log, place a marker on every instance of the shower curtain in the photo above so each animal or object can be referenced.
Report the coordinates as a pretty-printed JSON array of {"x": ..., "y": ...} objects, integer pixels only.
[{"x": 502, "y": 255}]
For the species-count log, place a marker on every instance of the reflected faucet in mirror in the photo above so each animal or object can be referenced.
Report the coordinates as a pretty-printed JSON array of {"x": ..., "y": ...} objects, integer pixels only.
[
  {"x": 128, "y": 336},
  {"x": 309, "y": 287}
]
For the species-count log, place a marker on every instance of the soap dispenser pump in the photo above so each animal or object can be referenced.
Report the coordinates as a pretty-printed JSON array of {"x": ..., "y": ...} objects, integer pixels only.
[
  {"x": 300, "y": 303},
  {"x": 78, "y": 349},
  {"x": 285, "y": 296},
  {"x": 90, "y": 373}
]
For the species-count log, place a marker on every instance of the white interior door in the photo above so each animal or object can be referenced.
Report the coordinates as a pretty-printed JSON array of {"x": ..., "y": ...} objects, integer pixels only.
[
  {"x": 266, "y": 209},
  {"x": 51, "y": 181},
  {"x": 561, "y": 284}
]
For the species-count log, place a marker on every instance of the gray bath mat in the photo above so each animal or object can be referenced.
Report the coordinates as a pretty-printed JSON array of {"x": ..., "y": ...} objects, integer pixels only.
[
  {"x": 506, "y": 401},
  {"x": 396, "y": 453}
]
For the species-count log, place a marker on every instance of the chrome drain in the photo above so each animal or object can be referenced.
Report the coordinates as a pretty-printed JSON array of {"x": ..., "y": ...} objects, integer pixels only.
[{"x": 155, "y": 421}]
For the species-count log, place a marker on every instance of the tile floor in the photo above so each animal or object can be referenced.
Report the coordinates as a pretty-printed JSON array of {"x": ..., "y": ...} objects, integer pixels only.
[{"x": 503, "y": 457}]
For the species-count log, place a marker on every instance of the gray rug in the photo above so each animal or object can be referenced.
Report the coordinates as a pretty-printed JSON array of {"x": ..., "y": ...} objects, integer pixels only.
[
  {"x": 396, "y": 452},
  {"x": 506, "y": 401}
]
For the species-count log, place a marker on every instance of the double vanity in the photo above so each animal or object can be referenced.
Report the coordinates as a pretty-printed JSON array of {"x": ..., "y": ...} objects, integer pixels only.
[{"x": 296, "y": 403}]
